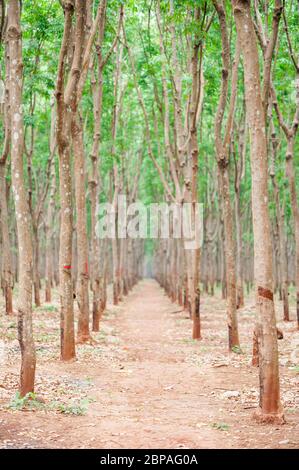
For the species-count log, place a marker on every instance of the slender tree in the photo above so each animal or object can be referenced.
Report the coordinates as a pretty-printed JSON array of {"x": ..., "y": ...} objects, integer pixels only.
[
  {"x": 223, "y": 149},
  {"x": 63, "y": 96},
  {"x": 25, "y": 334},
  {"x": 7, "y": 271}
]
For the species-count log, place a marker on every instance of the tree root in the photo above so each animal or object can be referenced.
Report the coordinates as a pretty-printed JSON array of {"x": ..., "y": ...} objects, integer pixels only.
[{"x": 268, "y": 418}]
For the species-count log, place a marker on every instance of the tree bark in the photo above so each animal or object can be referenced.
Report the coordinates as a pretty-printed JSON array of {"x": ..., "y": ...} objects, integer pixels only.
[
  {"x": 50, "y": 215},
  {"x": 190, "y": 183},
  {"x": 25, "y": 333},
  {"x": 7, "y": 270},
  {"x": 270, "y": 409},
  {"x": 97, "y": 283},
  {"x": 82, "y": 294},
  {"x": 66, "y": 207},
  {"x": 6, "y": 275},
  {"x": 239, "y": 174},
  {"x": 223, "y": 153},
  {"x": 282, "y": 251},
  {"x": 290, "y": 172}
]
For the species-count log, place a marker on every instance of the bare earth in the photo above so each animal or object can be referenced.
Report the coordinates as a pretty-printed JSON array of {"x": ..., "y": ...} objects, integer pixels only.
[{"x": 148, "y": 385}]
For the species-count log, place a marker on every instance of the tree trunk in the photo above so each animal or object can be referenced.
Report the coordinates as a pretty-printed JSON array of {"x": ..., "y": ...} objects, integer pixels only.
[
  {"x": 229, "y": 248},
  {"x": 36, "y": 276},
  {"x": 239, "y": 248},
  {"x": 282, "y": 252},
  {"x": 223, "y": 146},
  {"x": 67, "y": 336},
  {"x": 7, "y": 262},
  {"x": 115, "y": 259},
  {"x": 270, "y": 407},
  {"x": 290, "y": 171},
  {"x": 49, "y": 230},
  {"x": 65, "y": 251},
  {"x": 6, "y": 275},
  {"x": 82, "y": 294},
  {"x": 94, "y": 183},
  {"x": 239, "y": 175},
  {"x": 49, "y": 237},
  {"x": 25, "y": 334},
  {"x": 190, "y": 186}
]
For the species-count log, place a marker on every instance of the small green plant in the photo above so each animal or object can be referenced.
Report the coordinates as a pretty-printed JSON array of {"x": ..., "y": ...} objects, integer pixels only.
[
  {"x": 220, "y": 426},
  {"x": 295, "y": 369},
  {"x": 11, "y": 334},
  {"x": 50, "y": 308},
  {"x": 29, "y": 401},
  {"x": 237, "y": 350},
  {"x": 188, "y": 341},
  {"x": 46, "y": 308},
  {"x": 101, "y": 336},
  {"x": 45, "y": 337},
  {"x": 76, "y": 409},
  {"x": 291, "y": 410},
  {"x": 88, "y": 380}
]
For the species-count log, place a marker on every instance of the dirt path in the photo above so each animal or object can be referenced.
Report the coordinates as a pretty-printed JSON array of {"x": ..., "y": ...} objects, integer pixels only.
[{"x": 151, "y": 386}]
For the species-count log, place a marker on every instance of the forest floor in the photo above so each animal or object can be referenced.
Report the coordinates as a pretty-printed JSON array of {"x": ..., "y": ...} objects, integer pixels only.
[{"x": 144, "y": 383}]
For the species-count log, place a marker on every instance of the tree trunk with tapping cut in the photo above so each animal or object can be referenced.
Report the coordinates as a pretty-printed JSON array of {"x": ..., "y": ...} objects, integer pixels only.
[{"x": 270, "y": 409}]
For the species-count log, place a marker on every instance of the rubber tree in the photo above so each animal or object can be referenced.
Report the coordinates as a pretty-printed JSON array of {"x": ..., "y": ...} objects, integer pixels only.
[
  {"x": 25, "y": 333},
  {"x": 270, "y": 409}
]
